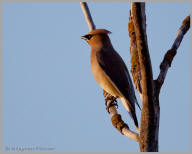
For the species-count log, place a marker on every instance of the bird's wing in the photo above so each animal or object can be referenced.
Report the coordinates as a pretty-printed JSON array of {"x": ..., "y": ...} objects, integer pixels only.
[{"x": 116, "y": 70}]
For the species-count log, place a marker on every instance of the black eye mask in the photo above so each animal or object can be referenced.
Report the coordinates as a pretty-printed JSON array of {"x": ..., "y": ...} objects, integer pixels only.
[{"x": 87, "y": 37}]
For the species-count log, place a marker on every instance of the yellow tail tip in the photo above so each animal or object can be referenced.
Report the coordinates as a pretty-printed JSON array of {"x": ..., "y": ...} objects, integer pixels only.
[{"x": 137, "y": 128}]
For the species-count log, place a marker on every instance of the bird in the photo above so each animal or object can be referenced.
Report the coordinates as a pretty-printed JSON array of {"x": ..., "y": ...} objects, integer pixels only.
[{"x": 110, "y": 71}]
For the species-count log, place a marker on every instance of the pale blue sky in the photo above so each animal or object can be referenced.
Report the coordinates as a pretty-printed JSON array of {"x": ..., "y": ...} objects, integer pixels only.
[{"x": 50, "y": 98}]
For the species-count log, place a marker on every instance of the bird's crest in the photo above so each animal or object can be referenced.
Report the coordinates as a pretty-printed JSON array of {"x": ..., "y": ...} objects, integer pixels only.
[
  {"x": 88, "y": 36},
  {"x": 99, "y": 31}
]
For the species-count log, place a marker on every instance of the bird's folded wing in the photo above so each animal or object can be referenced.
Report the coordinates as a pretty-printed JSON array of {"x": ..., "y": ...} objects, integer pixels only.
[{"x": 116, "y": 70}]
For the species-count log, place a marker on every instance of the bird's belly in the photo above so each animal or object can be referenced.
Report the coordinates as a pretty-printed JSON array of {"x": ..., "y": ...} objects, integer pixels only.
[
  {"x": 104, "y": 82},
  {"x": 107, "y": 86}
]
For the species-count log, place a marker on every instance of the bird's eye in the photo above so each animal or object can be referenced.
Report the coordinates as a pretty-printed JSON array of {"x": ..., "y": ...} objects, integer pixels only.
[{"x": 88, "y": 37}]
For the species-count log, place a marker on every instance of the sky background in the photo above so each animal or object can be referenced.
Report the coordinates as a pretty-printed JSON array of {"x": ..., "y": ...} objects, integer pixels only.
[{"x": 50, "y": 98}]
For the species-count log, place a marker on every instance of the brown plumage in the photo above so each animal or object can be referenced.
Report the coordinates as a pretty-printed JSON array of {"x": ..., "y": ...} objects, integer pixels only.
[{"x": 110, "y": 71}]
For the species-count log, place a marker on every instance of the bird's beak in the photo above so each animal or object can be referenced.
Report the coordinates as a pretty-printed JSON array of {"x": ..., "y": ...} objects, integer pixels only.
[{"x": 83, "y": 37}]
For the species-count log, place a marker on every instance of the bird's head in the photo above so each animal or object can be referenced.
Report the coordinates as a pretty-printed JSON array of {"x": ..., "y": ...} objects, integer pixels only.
[{"x": 97, "y": 37}]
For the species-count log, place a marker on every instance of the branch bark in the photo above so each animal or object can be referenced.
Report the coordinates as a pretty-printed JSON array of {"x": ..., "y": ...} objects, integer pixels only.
[
  {"x": 148, "y": 127},
  {"x": 169, "y": 56},
  {"x": 135, "y": 66}
]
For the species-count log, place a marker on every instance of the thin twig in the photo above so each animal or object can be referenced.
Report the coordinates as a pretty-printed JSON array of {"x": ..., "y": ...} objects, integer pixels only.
[
  {"x": 168, "y": 58},
  {"x": 87, "y": 15}
]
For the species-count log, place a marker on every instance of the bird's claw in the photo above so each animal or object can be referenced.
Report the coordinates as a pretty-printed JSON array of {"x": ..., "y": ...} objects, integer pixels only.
[
  {"x": 109, "y": 100},
  {"x": 113, "y": 102}
]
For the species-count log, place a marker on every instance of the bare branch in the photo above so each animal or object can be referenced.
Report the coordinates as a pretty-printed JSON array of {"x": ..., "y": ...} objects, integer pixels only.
[
  {"x": 182, "y": 31},
  {"x": 87, "y": 15},
  {"x": 116, "y": 119},
  {"x": 130, "y": 134},
  {"x": 148, "y": 124},
  {"x": 168, "y": 58},
  {"x": 139, "y": 21}
]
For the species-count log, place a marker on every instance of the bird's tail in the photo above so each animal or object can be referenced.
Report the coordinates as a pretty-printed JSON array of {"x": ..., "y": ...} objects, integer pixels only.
[
  {"x": 131, "y": 111},
  {"x": 134, "y": 117},
  {"x": 138, "y": 103}
]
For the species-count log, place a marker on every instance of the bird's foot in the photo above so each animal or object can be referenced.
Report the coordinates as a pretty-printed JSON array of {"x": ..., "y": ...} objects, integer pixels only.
[{"x": 109, "y": 102}]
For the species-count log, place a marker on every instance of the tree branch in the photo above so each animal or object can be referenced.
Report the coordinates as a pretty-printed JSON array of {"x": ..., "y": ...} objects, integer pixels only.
[
  {"x": 87, "y": 15},
  {"x": 168, "y": 58},
  {"x": 148, "y": 124},
  {"x": 116, "y": 120}
]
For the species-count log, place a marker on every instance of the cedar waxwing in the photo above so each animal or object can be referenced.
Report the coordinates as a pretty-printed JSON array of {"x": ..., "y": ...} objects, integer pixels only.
[{"x": 110, "y": 71}]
